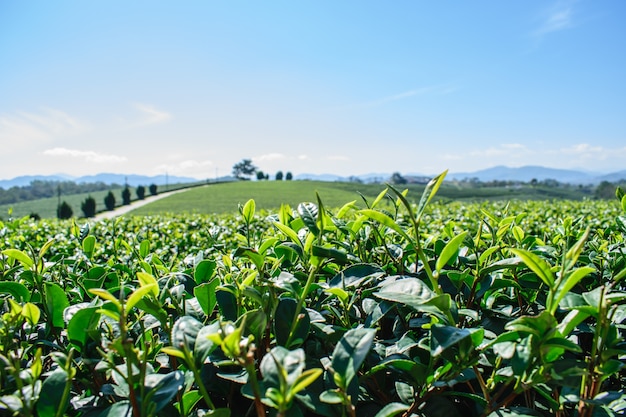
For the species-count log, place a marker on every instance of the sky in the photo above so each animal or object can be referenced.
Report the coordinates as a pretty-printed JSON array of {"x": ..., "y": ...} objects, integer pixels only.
[{"x": 344, "y": 87}]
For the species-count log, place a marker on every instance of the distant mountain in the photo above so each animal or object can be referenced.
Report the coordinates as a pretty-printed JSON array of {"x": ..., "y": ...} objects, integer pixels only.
[
  {"x": 27, "y": 179},
  {"x": 613, "y": 177},
  {"x": 526, "y": 174},
  {"x": 133, "y": 180}
]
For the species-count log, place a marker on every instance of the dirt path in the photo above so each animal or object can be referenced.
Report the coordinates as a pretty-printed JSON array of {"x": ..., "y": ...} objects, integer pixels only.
[{"x": 135, "y": 204}]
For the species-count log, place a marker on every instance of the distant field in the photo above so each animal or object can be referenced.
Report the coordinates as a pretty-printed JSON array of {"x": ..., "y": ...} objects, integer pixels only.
[
  {"x": 225, "y": 197},
  {"x": 47, "y": 207}
]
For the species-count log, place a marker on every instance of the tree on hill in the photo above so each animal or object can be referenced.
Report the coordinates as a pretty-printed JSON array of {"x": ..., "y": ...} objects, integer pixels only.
[
  {"x": 109, "y": 201},
  {"x": 397, "y": 178},
  {"x": 279, "y": 176},
  {"x": 64, "y": 211},
  {"x": 89, "y": 207},
  {"x": 153, "y": 189},
  {"x": 288, "y": 176},
  {"x": 260, "y": 175},
  {"x": 244, "y": 170},
  {"x": 141, "y": 192}
]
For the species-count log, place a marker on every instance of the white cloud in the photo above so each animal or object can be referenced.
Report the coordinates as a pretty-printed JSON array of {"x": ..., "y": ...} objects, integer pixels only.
[
  {"x": 269, "y": 157},
  {"x": 303, "y": 157},
  {"x": 438, "y": 90},
  {"x": 506, "y": 149},
  {"x": 89, "y": 156},
  {"x": 150, "y": 115},
  {"x": 191, "y": 167},
  {"x": 584, "y": 149},
  {"x": 559, "y": 17},
  {"x": 24, "y": 128}
]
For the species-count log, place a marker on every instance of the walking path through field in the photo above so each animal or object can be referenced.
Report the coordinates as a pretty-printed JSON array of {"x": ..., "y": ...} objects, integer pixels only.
[{"x": 135, "y": 204}]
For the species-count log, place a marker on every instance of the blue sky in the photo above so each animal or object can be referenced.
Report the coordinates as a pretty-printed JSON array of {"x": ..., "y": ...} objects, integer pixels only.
[{"x": 342, "y": 87}]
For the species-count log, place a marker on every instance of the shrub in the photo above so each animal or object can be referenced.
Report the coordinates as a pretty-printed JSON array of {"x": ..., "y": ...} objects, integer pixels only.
[
  {"x": 64, "y": 211},
  {"x": 126, "y": 196},
  {"x": 288, "y": 176},
  {"x": 141, "y": 192},
  {"x": 279, "y": 176},
  {"x": 109, "y": 201},
  {"x": 153, "y": 189},
  {"x": 89, "y": 207}
]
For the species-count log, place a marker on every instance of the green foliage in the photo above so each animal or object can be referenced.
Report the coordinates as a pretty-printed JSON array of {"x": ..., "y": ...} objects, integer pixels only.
[
  {"x": 288, "y": 176},
  {"x": 141, "y": 192},
  {"x": 396, "y": 305},
  {"x": 244, "y": 169},
  {"x": 109, "y": 201},
  {"x": 64, "y": 211},
  {"x": 89, "y": 207},
  {"x": 153, "y": 189},
  {"x": 126, "y": 196},
  {"x": 279, "y": 176}
]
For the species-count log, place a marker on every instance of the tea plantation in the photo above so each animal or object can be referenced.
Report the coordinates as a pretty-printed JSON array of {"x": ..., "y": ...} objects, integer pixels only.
[{"x": 377, "y": 307}]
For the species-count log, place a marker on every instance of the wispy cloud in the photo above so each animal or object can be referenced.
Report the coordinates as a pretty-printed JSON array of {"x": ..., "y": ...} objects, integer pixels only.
[
  {"x": 191, "y": 167},
  {"x": 505, "y": 149},
  {"x": 433, "y": 90},
  {"x": 24, "y": 128},
  {"x": 587, "y": 152},
  {"x": 150, "y": 115},
  {"x": 269, "y": 157},
  {"x": 88, "y": 156},
  {"x": 557, "y": 18}
]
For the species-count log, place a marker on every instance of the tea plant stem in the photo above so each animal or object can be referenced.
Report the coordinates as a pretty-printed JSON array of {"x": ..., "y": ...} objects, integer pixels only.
[
  {"x": 68, "y": 385},
  {"x": 305, "y": 292},
  {"x": 250, "y": 368},
  {"x": 197, "y": 377},
  {"x": 481, "y": 382}
]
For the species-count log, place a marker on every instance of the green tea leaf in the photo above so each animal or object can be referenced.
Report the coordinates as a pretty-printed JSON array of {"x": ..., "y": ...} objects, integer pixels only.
[
  {"x": 57, "y": 302},
  {"x": 16, "y": 290},
  {"x": 31, "y": 313},
  {"x": 138, "y": 294},
  {"x": 20, "y": 256},
  {"x": 537, "y": 265},
  {"x": 51, "y": 394},
  {"x": 80, "y": 326},
  {"x": 450, "y": 250},
  {"x": 248, "y": 211},
  {"x": 308, "y": 213},
  {"x": 392, "y": 409},
  {"x": 350, "y": 353},
  {"x": 204, "y": 270},
  {"x": 205, "y": 294},
  {"x": 385, "y": 220},
  {"x": 146, "y": 279},
  {"x": 429, "y": 192},
  {"x": 89, "y": 244}
]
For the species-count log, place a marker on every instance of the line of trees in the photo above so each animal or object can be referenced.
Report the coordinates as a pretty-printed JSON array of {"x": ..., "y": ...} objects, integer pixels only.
[
  {"x": 38, "y": 189},
  {"x": 89, "y": 207},
  {"x": 245, "y": 170}
]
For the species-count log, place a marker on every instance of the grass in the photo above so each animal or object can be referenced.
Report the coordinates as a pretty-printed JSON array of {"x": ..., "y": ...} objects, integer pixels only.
[
  {"x": 225, "y": 197},
  {"x": 46, "y": 208}
]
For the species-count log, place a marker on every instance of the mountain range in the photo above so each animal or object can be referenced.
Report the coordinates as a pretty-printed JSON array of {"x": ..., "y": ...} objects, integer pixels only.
[
  {"x": 107, "y": 178},
  {"x": 501, "y": 173}
]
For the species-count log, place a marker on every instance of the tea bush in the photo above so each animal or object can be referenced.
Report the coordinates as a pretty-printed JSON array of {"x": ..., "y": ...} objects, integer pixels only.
[{"x": 378, "y": 308}]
